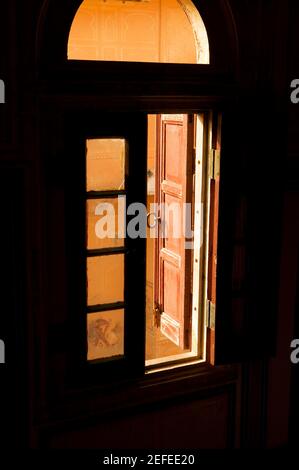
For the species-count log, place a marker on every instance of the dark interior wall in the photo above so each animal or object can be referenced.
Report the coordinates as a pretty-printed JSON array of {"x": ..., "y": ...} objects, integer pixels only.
[
  {"x": 250, "y": 408},
  {"x": 292, "y": 169}
]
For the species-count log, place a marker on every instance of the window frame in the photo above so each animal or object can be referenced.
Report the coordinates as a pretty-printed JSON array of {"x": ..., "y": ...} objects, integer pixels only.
[
  {"x": 86, "y": 125},
  {"x": 111, "y": 87},
  {"x": 80, "y": 127},
  {"x": 79, "y": 372}
]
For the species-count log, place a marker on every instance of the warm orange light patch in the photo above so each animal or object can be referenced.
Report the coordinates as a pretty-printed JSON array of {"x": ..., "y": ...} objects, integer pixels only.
[
  {"x": 105, "y": 334},
  {"x": 153, "y": 31},
  {"x": 105, "y": 163}
]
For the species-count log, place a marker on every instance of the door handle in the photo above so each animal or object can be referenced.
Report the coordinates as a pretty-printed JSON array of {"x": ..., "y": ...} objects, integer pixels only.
[
  {"x": 156, "y": 217},
  {"x": 157, "y": 310}
]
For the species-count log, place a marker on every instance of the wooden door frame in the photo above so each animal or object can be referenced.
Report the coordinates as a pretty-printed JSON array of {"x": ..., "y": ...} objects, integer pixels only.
[{"x": 80, "y": 86}]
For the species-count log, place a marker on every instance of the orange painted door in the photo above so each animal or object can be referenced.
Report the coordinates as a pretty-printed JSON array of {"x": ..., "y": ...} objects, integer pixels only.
[{"x": 173, "y": 257}]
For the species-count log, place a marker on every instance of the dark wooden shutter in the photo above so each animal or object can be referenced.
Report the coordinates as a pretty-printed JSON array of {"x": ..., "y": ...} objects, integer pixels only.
[
  {"x": 214, "y": 183},
  {"x": 173, "y": 187},
  {"x": 244, "y": 247}
]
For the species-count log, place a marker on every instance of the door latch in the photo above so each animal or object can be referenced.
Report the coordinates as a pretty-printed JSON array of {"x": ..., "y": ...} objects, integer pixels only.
[
  {"x": 157, "y": 219},
  {"x": 157, "y": 314}
]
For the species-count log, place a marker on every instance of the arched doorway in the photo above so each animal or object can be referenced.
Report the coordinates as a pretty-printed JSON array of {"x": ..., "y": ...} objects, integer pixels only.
[
  {"x": 56, "y": 21},
  {"x": 168, "y": 31}
]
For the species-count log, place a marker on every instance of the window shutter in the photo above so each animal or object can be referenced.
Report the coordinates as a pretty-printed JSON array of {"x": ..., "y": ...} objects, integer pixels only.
[{"x": 243, "y": 261}]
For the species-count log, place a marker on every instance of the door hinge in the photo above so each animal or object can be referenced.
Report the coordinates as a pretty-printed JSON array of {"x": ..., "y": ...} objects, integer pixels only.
[
  {"x": 214, "y": 164},
  {"x": 211, "y": 315}
]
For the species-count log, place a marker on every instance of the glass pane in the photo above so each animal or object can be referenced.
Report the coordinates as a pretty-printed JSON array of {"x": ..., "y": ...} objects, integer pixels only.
[
  {"x": 105, "y": 223},
  {"x": 105, "y": 279},
  {"x": 105, "y": 332},
  {"x": 105, "y": 164}
]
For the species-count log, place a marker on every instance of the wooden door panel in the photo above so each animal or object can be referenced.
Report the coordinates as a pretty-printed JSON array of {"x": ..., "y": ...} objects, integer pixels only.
[
  {"x": 174, "y": 230},
  {"x": 174, "y": 150},
  {"x": 172, "y": 189},
  {"x": 172, "y": 301}
]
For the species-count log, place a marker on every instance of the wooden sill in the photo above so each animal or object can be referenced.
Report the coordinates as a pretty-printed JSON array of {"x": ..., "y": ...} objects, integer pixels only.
[{"x": 149, "y": 391}]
